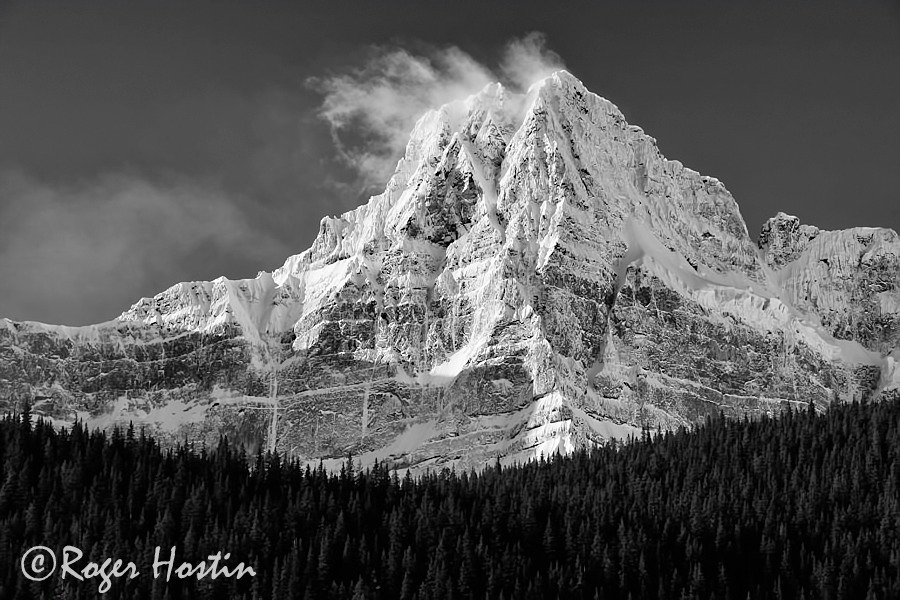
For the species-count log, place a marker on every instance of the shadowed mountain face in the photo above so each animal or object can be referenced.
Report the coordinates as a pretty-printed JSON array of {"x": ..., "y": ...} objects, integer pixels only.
[{"x": 535, "y": 277}]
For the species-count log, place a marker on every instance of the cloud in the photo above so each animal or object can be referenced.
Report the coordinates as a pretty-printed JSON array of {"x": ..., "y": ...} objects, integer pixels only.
[
  {"x": 527, "y": 59},
  {"x": 86, "y": 252},
  {"x": 371, "y": 109}
]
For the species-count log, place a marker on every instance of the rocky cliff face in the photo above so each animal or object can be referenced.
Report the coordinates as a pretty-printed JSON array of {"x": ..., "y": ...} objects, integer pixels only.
[
  {"x": 535, "y": 277},
  {"x": 849, "y": 279}
]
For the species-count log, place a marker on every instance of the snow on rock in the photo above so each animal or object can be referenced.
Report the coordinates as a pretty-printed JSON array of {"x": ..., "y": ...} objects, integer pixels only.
[
  {"x": 536, "y": 277},
  {"x": 849, "y": 279}
]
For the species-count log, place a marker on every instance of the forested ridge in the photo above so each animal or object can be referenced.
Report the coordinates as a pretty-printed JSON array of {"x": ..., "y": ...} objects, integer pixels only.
[{"x": 800, "y": 506}]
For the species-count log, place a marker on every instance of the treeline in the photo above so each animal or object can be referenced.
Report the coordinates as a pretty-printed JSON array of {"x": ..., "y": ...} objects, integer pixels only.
[{"x": 802, "y": 506}]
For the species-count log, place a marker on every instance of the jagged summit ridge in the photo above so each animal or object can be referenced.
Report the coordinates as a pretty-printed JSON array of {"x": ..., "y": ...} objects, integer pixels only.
[{"x": 535, "y": 277}]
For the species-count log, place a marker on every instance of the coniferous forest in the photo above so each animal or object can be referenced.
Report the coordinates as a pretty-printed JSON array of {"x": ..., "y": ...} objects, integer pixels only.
[{"x": 802, "y": 506}]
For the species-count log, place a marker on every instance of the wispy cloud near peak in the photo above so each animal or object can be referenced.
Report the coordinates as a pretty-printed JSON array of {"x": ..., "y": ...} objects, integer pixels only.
[{"x": 372, "y": 108}]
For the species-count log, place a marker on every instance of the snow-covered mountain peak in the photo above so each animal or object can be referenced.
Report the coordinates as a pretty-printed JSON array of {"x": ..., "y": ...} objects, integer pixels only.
[
  {"x": 535, "y": 276},
  {"x": 561, "y": 80}
]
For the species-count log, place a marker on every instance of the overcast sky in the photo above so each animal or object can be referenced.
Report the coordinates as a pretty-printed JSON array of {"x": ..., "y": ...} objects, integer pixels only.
[{"x": 147, "y": 143}]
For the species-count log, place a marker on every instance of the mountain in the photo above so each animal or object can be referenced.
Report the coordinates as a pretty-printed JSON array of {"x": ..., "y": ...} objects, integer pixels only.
[{"x": 535, "y": 277}]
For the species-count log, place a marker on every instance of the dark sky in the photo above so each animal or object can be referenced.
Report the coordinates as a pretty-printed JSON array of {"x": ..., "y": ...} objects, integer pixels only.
[{"x": 146, "y": 143}]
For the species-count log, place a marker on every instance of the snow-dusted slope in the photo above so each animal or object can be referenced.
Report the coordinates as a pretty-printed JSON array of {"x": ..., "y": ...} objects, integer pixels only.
[{"x": 536, "y": 276}]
